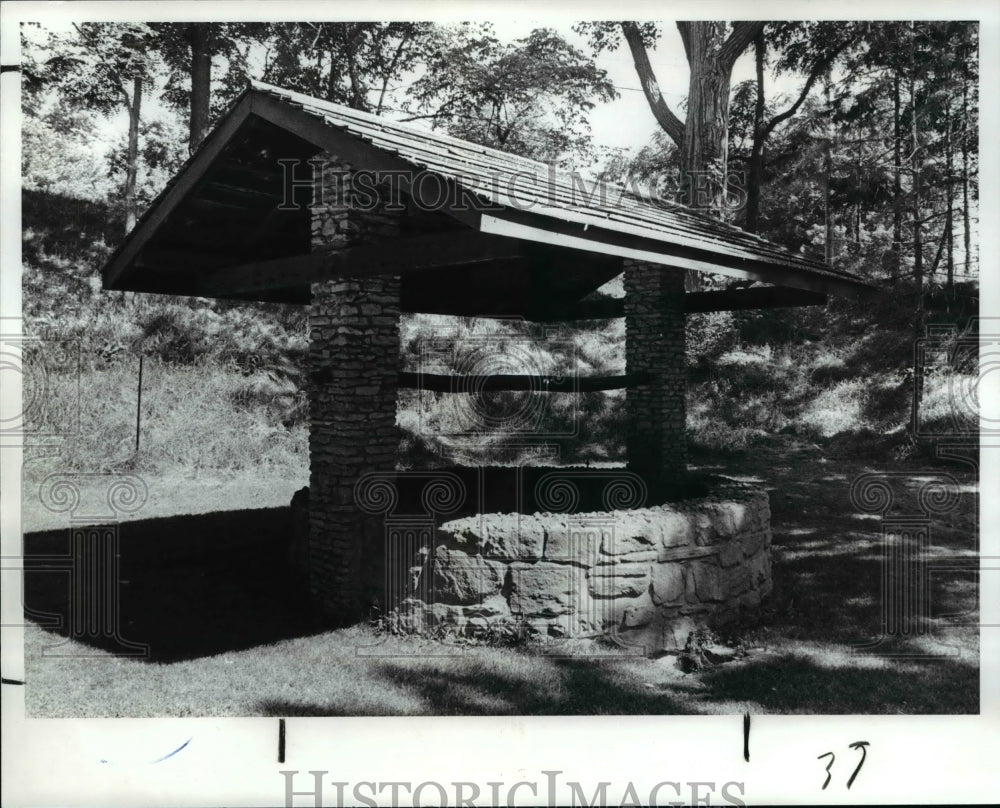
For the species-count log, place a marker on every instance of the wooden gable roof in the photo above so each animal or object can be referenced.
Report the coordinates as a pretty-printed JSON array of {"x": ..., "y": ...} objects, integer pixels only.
[{"x": 219, "y": 227}]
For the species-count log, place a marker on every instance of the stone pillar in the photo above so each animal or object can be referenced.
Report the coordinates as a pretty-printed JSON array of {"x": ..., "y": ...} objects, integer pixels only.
[
  {"x": 655, "y": 437},
  {"x": 354, "y": 359}
]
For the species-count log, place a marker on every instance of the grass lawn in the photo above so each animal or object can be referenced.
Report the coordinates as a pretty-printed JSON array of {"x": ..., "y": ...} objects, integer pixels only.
[
  {"x": 226, "y": 639},
  {"x": 168, "y": 495}
]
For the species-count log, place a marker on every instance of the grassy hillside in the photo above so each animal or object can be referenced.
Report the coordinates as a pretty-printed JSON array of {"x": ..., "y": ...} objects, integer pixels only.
[
  {"x": 223, "y": 383},
  {"x": 841, "y": 375}
]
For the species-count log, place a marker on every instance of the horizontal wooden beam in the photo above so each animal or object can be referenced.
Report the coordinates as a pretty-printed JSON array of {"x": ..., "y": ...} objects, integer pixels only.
[
  {"x": 605, "y": 308},
  {"x": 602, "y": 308},
  {"x": 389, "y": 257},
  {"x": 766, "y": 297},
  {"x": 550, "y": 311},
  {"x": 442, "y": 383}
]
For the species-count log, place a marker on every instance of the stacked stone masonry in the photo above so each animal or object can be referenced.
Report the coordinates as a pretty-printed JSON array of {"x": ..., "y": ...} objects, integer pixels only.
[
  {"x": 655, "y": 437},
  {"x": 354, "y": 363},
  {"x": 646, "y": 576}
]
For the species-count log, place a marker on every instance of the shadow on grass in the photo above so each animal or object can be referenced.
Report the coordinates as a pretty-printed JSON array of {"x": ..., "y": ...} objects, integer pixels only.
[
  {"x": 546, "y": 687},
  {"x": 188, "y": 586},
  {"x": 815, "y": 680},
  {"x": 801, "y": 685},
  {"x": 195, "y": 586}
]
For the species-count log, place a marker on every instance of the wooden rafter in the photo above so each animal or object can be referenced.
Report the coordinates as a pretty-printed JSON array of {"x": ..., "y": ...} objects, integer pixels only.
[
  {"x": 219, "y": 211},
  {"x": 392, "y": 257},
  {"x": 355, "y": 151},
  {"x": 190, "y": 175}
]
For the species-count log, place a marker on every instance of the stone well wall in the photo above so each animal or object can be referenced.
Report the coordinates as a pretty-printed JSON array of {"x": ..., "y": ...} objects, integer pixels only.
[{"x": 645, "y": 576}]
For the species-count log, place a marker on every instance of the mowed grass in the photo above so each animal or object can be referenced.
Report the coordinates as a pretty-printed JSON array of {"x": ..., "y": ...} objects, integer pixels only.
[
  {"x": 228, "y": 637},
  {"x": 167, "y": 494},
  {"x": 356, "y": 672}
]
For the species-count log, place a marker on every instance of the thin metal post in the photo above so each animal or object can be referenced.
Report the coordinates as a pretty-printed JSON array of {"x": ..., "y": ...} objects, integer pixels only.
[{"x": 138, "y": 406}]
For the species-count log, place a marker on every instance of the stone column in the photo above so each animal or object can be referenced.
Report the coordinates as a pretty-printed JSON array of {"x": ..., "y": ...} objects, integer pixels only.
[
  {"x": 354, "y": 359},
  {"x": 655, "y": 437}
]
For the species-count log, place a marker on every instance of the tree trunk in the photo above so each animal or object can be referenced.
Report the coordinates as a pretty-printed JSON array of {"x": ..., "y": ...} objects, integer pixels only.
[
  {"x": 132, "y": 159},
  {"x": 827, "y": 216},
  {"x": 702, "y": 140},
  {"x": 966, "y": 237},
  {"x": 665, "y": 117},
  {"x": 705, "y": 145},
  {"x": 940, "y": 251},
  {"x": 918, "y": 247},
  {"x": 201, "y": 82},
  {"x": 358, "y": 99},
  {"x": 897, "y": 185},
  {"x": 827, "y": 171},
  {"x": 755, "y": 174},
  {"x": 332, "y": 77},
  {"x": 950, "y": 201},
  {"x": 706, "y": 128}
]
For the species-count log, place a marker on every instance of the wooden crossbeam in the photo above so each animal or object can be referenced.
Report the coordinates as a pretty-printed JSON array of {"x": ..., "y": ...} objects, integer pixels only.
[
  {"x": 390, "y": 257},
  {"x": 550, "y": 310},
  {"x": 767, "y": 297},
  {"x": 443, "y": 383},
  {"x": 602, "y": 308},
  {"x": 608, "y": 307}
]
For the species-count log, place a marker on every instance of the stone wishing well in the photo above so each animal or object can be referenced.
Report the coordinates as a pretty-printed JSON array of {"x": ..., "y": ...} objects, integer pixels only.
[{"x": 297, "y": 200}]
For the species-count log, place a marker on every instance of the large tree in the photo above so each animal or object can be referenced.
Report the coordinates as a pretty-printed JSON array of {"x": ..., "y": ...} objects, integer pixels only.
[
  {"x": 712, "y": 49},
  {"x": 532, "y": 96},
  {"x": 189, "y": 50},
  {"x": 810, "y": 48},
  {"x": 903, "y": 92},
  {"x": 351, "y": 63},
  {"x": 108, "y": 67}
]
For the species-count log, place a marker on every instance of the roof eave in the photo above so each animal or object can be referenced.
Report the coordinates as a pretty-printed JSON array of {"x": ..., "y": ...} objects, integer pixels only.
[
  {"x": 528, "y": 225},
  {"x": 613, "y": 242},
  {"x": 175, "y": 191}
]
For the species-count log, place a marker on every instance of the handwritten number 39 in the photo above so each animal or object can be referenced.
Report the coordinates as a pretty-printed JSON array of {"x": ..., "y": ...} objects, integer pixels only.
[{"x": 859, "y": 745}]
